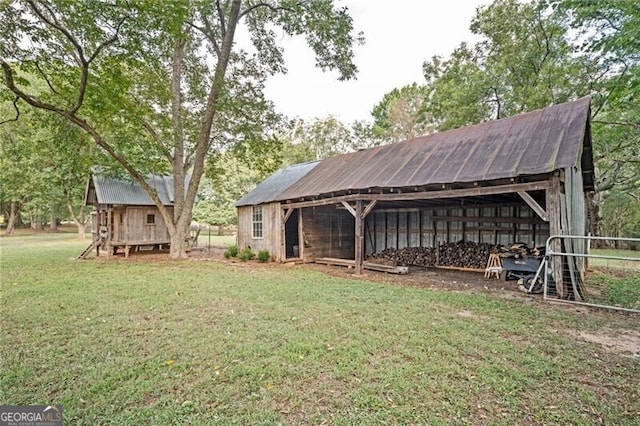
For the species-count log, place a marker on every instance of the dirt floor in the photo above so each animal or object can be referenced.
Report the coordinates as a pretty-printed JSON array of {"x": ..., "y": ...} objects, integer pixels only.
[
  {"x": 417, "y": 276},
  {"x": 624, "y": 342}
]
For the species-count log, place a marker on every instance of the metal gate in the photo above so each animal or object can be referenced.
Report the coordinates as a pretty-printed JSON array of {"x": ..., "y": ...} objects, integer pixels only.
[{"x": 603, "y": 278}]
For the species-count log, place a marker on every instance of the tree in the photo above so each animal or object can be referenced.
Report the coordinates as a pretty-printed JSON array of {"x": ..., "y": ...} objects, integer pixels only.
[
  {"x": 159, "y": 85},
  {"x": 227, "y": 179},
  {"x": 19, "y": 177},
  {"x": 610, "y": 34},
  {"x": 322, "y": 138},
  {"x": 68, "y": 167},
  {"x": 400, "y": 114},
  {"x": 39, "y": 176},
  {"x": 523, "y": 62},
  {"x": 528, "y": 58}
]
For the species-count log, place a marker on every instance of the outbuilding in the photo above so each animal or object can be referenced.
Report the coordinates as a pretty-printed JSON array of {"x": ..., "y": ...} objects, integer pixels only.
[
  {"x": 124, "y": 215},
  {"x": 517, "y": 179}
]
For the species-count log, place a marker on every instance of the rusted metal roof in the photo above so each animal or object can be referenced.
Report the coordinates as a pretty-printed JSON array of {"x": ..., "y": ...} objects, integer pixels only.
[
  {"x": 533, "y": 143},
  {"x": 108, "y": 190},
  {"x": 276, "y": 184}
]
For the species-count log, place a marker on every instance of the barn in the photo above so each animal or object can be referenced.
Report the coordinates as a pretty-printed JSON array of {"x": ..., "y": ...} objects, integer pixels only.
[
  {"x": 124, "y": 215},
  {"x": 517, "y": 179}
]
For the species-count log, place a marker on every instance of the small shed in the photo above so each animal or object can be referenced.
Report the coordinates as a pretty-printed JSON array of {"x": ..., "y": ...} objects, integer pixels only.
[
  {"x": 517, "y": 179},
  {"x": 260, "y": 221},
  {"x": 125, "y": 217}
]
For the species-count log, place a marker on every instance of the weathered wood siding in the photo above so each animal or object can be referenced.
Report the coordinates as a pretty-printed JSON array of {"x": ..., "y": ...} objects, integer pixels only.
[
  {"x": 271, "y": 230},
  {"x": 138, "y": 229},
  {"x": 328, "y": 232},
  {"x": 129, "y": 225}
]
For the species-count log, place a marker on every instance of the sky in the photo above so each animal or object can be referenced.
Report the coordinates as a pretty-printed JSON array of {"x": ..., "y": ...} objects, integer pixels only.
[{"x": 400, "y": 35}]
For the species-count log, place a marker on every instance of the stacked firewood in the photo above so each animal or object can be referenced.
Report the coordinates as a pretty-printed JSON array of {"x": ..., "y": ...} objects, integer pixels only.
[
  {"x": 518, "y": 249},
  {"x": 409, "y": 256},
  {"x": 463, "y": 254}
]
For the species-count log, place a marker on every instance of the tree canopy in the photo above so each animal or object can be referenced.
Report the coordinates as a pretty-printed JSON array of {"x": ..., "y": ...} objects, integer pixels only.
[
  {"x": 532, "y": 55},
  {"x": 158, "y": 86}
]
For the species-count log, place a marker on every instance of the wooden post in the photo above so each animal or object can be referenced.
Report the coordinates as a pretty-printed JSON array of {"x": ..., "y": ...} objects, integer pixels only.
[
  {"x": 282, "y": 256},
  {"x": 359, "y": 238},
  {"x": 109, "y": 232},
  {"x": 553, "y": 212},
  {"x": 301, "y": 238},
  {"x": 420, "y": 243}
]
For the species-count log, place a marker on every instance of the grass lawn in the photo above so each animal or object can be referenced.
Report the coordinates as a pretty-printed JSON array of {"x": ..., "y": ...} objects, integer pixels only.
[
  {"x": 614, "y": 282},
  {"x": 201, "y": 342},
  {"x": 615, "y": 263},
  {"x": 213, "y": 240}
]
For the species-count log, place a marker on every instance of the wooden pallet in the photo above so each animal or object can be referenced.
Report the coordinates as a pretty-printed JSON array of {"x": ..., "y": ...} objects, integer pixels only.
[{"x": 366, "y": 265}]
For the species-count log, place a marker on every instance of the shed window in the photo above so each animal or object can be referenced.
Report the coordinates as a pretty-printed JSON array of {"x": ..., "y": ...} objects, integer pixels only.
[
  {"x": 257, "y": 221},
  {"x": 151, "y": 219}
]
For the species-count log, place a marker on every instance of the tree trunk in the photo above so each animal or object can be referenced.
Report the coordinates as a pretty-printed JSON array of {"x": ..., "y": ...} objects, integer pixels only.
[
  {"x": 82, "y": 230},
  {"x": 595, "y": 218},
  {"x": 53, "y": 220},
  {"x": 179, "y": 244},
  {"x": 79, "y": 219},
  {"x": 36, "y": 223},
  {"x": 11, "y": 222}
]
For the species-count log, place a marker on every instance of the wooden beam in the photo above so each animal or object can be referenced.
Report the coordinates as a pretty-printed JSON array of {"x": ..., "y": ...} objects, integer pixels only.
[
  {"x": 359, "y": 238},
  {"x": 489, "y": 219},
  {"x": 366, "y": 265},
  {"x": 369, "y": 208},
  {"x": 534, "y": 205},
  {"x": 287, "y": 214},
  {"x": 349, "y": 208},
  {"x": 426, "y": 195}
]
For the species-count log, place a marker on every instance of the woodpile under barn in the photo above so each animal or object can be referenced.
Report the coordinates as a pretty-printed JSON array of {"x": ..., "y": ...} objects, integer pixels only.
[
  {"x": 464, "y": 255},
  {"x": 446, "y": 200}
]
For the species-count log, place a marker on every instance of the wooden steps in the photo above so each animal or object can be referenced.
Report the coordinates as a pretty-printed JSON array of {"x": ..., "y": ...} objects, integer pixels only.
[{"x": 91, "y": 246}]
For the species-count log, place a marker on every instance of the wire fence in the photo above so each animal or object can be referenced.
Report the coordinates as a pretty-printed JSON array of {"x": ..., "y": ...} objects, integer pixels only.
[
  {"x": 211, "y": 237},
  {"x": 605, "y": 278}
]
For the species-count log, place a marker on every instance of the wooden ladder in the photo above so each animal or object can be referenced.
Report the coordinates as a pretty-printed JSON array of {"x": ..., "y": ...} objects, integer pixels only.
[{"x": 91, "y": 246}]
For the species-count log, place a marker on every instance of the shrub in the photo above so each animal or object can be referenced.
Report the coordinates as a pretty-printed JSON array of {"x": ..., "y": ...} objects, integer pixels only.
[
  {"x": 263, "y": 256},
  {"x": 232, "y": 251},
  {"x": 246, "y": 254}
]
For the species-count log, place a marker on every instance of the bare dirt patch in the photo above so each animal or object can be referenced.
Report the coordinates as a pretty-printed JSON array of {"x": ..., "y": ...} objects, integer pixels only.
[
  {"x": 434, "y": 279},
  {"x": 468, "y": 314},
  {"x": 621, "y": 342},
  {"x": 426, "y": 278}
]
